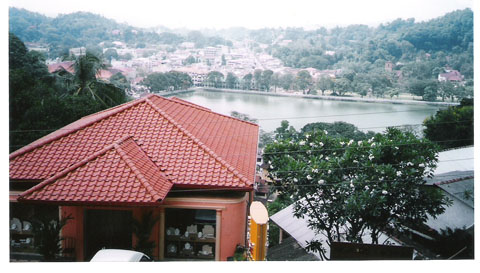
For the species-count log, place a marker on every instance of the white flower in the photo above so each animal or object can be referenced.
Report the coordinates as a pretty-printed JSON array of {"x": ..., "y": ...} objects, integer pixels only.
[
  {"x": 271, "y": 166},
  {"x": 381, "y": 178},
  {"x": 307, "y": 136},
  {"x": 302, "y": 143},
  {"x": 295, "y": 180},
  {"x": 370, "y": 140},
  {"x": 312, "y": 144},
  {"x": 373, "y": 144},
  {"x": 325, "y": 131},
  {"x": 409, "y": 164},
  {"x": 321, "y": 181},
  {"x": 327, "y": 158},
  {"x": 321, "y": 144},
  {"x": 396, "y": 148},
  {"x": 359, "y": 142},
  {"x": 321, "y": 156},
  {"x": 399, "y": 173},
  {"x": 309, "y": 177},
  {"x": 275, "y": 141},
  {"x": 350, "y": 142},
  {"x": 371, "y": 157},
  {"x": 314, "y": 170},
  {"x": 351, "y": 185},
  {"x": 384, "y": 192},
  {"x": 367, "y": 188},
  {"x": 342, "y": 143},
  {"x": 421, "y": 165},
  {"x": 355, "y": 161},
  {"x": 269, "y": 162},
  {"x": 329, "y": 171}
]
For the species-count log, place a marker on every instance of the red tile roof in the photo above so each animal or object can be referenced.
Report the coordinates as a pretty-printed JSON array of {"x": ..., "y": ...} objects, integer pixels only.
[
  {"x": 68, "y": 66},
  {"x": 187, "y": 145},
  {"x": 120, "y": 173}
]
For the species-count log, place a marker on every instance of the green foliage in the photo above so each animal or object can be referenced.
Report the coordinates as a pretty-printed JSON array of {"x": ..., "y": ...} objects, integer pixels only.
[
  {"x": 247, "y": 81},
  {"x": 143, "y": 229},
  {"x": 41, "y": 102},
  {"x": 244, "y": 117},
  {"x": 347, "y": 186},
  {"x": 338, "y": 129},
  {"x": 458, "y": 243},
  {"x": 215, "y": 79},
  {"x": 172, "y": 80},
  {"x": 47, "y": 236},
  {"x": 452, "y": 127},
  {"x": 303, "y": 81},
  {"x": 82, "y": 29},
  {"x": 231, "y": 80},
  {"x": 280, "y": 203}
]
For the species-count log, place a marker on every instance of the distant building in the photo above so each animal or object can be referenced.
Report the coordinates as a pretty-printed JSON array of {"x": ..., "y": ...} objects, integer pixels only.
[
  {"x": 389, "y": 66},
  {"x": 451, "y": 76}
]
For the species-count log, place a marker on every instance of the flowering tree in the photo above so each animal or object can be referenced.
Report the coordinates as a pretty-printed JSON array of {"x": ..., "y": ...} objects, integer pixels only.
[{"x": 346, "y": 186}]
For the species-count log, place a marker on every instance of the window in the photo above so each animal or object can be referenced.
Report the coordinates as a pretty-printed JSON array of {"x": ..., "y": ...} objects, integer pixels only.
[{"x": 190, "y": 234}]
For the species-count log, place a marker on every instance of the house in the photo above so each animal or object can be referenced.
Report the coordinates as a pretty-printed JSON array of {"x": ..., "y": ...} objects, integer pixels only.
[
  {"x": 67, "y": 66},
  {"x": 298, "y": 229},
  {"x": 454, "y": 175},
  {"x": 451, "y": 76},
  {"x": 191, "y": 168}
]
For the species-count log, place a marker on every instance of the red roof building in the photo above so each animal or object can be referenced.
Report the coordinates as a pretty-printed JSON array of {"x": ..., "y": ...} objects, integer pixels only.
[
  {"x": 451, "y": 76},
  {"x": 193, "y": 169}
]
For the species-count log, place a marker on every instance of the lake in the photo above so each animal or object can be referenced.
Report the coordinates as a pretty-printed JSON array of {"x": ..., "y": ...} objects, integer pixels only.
[{"x": 271, "y": 110}]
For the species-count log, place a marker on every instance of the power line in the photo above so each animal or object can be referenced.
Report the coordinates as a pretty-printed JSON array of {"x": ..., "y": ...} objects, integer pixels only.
[
  {"x": 362, "y": 147},
  {"x": 362, "y": 167},
  {"x": 284, "y": 118}
]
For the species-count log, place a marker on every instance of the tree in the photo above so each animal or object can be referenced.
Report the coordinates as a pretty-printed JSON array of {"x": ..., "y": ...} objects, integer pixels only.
[
  {"x": 142, "y": 229},
  {"x": 286, "y": 81},
  {"x": 341, "y": 86},
  {"x": 276, "y": 81},
  {"x": 257, "y": 76},
  {"x": 430, "y": 93},
  {"x": 47, "y": 236},
  {"x": 215, "y": 79},
  {"x": 110, "y": 54},
  {"x": 231, "y": 80},
  {"x": 247, "y": 81},
  {"x": 452, "y": 127},
  {"x": 324, "y": 83},
  {"x": 347, "y": 187},
  {"x": 266, "y": 79},
  {"x": 303, "y": 80},
  {"x": 120, "y": 81},
  {"x": 337, "y": 129}
]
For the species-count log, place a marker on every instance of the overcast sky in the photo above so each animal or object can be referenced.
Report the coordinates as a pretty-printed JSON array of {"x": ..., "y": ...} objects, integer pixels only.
[{"x": 249, "y": 13}]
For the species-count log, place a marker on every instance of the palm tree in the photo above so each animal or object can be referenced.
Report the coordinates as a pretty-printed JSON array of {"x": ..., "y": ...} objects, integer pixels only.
[{"x": 84, "y": 81}]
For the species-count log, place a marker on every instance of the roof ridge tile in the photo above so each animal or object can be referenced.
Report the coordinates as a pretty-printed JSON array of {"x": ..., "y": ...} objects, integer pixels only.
[
  {"x": 71, "y": 168},
  {"x": 137, "y": 172},
  {"x": 64, "y": 131},
  {"x": 195, "y": 139}
]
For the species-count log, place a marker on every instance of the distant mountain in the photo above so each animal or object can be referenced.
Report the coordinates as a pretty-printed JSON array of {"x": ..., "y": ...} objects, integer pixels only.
[
  {"x": 87, "y": 29},
  {"x": 79, "y": 29}
]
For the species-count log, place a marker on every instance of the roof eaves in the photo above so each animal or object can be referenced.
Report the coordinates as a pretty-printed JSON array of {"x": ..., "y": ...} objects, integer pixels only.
[{"x": 71, "y": 168}]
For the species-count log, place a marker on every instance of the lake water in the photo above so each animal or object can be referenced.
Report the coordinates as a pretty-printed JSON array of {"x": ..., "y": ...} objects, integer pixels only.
[{"x": 271, "y": 110}]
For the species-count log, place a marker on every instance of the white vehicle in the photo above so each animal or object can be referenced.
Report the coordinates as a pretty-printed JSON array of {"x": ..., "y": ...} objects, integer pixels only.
[{"x": 119, "y": 255}]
